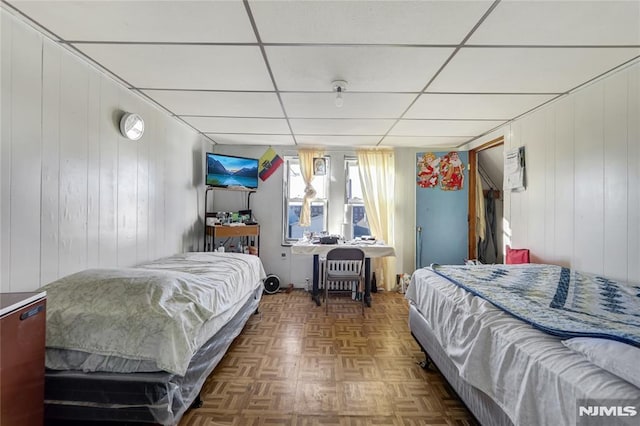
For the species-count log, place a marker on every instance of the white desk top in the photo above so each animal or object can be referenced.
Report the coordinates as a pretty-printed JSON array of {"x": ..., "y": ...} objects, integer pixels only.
[{"x": 370, "y": 250}]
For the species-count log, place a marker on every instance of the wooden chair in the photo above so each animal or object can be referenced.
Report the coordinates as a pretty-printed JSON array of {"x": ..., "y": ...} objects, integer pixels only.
[{"x": 344, "y": 265}]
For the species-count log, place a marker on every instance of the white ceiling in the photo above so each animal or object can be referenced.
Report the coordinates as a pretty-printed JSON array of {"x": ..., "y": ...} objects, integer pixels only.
[{"x": 420, "y": 73}]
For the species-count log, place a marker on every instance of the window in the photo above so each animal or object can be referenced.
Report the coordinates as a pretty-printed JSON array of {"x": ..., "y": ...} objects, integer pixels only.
[
  {"x": 294, "y": 193},
  {"x": 354, "y": 200}
]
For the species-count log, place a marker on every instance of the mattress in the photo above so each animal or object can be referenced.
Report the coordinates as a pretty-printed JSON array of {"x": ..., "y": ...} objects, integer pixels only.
[
  {"x": 157, "y": 397},
  {"x": 530, "y": 375},
  {"x": 149, "y": 318},
  {"x": 485, "y": 410}
]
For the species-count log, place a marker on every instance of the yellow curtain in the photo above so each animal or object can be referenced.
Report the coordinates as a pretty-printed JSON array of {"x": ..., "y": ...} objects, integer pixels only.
[
  {"x": 377, "y": 176},
  {"x": 306, "y": 157}
]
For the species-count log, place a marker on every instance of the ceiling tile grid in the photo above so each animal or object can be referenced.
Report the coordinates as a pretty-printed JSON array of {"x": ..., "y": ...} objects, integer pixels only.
[
  {"x": 419, "y": 74},
  {"x": 467, "y": 128}
]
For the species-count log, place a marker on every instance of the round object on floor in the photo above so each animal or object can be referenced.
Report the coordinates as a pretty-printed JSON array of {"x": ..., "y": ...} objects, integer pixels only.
[{"x": 271, "y": 284}]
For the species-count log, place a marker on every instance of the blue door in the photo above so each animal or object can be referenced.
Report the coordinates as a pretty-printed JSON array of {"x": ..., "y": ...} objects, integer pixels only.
[{"x": 441, "y": 214}]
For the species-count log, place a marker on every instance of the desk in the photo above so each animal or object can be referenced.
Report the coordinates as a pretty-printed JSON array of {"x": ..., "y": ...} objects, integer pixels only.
[{"x": 317, "y": 250}]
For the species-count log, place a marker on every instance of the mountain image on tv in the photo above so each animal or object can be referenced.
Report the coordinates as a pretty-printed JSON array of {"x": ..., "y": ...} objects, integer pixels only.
[{"x": 226, "y": 171}]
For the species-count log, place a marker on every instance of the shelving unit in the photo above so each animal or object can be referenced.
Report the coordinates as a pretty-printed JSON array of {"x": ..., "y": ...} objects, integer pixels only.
[{"x": 250, "y": 234}]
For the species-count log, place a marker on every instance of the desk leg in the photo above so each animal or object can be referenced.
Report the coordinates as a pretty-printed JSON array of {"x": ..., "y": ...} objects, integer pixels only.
[
  {"x": 367, "y": 281},
  {"x": 316, "y": 276}
]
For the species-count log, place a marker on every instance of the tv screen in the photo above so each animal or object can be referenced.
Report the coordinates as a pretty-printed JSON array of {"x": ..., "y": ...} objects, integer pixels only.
[{"x": 228, "y": 171}]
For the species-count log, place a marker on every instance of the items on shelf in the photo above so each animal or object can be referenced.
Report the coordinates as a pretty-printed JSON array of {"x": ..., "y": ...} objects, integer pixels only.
[{"x": 233, "y": 231}]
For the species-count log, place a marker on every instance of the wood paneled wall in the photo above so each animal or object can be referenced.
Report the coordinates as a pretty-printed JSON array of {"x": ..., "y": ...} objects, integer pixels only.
[
  {"x": 75, "y": 194},
  {"x": 581, "y": 207}
]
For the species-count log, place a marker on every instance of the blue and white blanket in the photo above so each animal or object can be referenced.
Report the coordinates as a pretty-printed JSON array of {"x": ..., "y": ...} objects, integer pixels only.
[{"x": 557, "y": 300}]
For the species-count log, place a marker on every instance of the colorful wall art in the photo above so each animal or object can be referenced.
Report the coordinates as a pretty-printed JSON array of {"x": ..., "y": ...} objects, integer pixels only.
[
  {"x": 428, "y": 169},
  {"x": 446, "y": 171}
]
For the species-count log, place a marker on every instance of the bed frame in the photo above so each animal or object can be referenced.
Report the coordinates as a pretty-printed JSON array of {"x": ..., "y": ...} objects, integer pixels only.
[
  {"x": 158, "y": 397},
  {"x": 485, "y": 410}
]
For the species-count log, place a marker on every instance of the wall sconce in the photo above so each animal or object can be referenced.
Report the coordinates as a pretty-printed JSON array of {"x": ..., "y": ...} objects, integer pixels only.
[{"x": 131, "y": 126}]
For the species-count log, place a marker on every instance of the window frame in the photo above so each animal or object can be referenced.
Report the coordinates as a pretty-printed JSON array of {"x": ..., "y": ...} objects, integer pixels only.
[
  {"x": 288, "y": 160},
  {"x": 350, "y": 202}
]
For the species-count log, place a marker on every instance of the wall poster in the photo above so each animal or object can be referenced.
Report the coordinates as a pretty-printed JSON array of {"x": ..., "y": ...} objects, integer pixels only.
[
  {"x": 451, "y": 172},
  {"x": 428, "y": 169}
]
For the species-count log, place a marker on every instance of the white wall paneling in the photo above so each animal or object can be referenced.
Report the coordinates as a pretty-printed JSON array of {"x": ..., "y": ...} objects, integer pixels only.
[
  {"x": 615, "y": 174},
  {"x": 549, "y": 178},
  {"x": 127, "y": 190},
  {"x": 108, "y": 175},
  {"x": 93, "y": 170},
  {"x": 74, "y": 85},
  {"x": 563, "y": 201},
  {"x": 581, "y": 207},
  {"x": 589, "y": 179},
  {"x": 534, "y": 137},
  {"x": 75, "y": 194},
  {"x": 6, "y": 41},
  {"x": 49, "y": 223},
  {"x": 633, "y": 183},
  {"x": 26, "y": 155}
]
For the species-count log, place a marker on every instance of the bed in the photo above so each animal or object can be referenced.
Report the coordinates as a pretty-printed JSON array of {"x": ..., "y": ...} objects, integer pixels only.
[
  {"x": 550, "y": 361},
  {"x": 136, "y": 344}
]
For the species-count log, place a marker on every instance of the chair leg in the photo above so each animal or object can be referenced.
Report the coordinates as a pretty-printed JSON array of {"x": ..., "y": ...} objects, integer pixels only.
[
  {"x": 326, "y": 297},
  {"x": 326, "y": 287},
  {"x": 361, "y": 285}
]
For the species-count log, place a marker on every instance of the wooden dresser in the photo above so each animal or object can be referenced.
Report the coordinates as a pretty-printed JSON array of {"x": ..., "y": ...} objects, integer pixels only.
[{"x": 22, "y": 340}]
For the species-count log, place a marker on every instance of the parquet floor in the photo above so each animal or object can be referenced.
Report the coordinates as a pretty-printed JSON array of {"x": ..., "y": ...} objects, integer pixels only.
[{"x": 295, "y": 365}]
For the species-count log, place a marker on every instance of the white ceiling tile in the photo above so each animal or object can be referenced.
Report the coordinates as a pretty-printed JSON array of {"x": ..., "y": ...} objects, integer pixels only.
[
  {"x": 561, "y": 23},
  {"x": 252, "y": 139},
  {"x": 530, "y": 70},
  {"x": 474, "y": 106},
  {"x": 143, "y": 21},
  {"x": 338, "y": 140},
  {"x": 480, "y": 83},
  {"x": 424, "y": 141},
  {"x": 222, "y": 104},
  {"x": 426, "y": 22},
  {"x": 356, "y": 105},
  {"x": 443, "y": 127},
  {"x": 239, "y": 125},
  {"x": 365, "y": 68},
  {"x": 340, "y": 127},
  {"x": 184, "y": 67}
]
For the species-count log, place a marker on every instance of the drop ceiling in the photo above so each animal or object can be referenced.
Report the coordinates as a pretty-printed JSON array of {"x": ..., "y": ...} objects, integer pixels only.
[{"x": 422, "y": 74}]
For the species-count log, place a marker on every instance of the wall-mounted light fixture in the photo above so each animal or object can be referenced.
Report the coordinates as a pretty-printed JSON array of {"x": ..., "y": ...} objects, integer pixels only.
[
  {"x": 339, "y": 86},
  {"x": 131, "y": 126}
]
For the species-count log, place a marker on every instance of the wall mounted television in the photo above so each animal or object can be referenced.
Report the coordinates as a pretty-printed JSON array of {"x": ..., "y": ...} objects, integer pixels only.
[{"x": 225, "y": 171}]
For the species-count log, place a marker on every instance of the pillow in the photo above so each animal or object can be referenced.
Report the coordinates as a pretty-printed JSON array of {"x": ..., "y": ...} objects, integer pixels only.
[
  {"x": 516, "y": 256},
  {"x": 616, "y": 357}
]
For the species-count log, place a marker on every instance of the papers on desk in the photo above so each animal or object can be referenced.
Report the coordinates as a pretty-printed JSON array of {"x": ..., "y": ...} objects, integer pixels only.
[
  {"x": 360, "y": 242},
  {"x": 375, "y": 249}
]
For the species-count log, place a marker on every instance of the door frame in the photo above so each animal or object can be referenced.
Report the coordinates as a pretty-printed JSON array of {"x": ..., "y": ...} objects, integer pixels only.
[{"x": 473, "y": 164}]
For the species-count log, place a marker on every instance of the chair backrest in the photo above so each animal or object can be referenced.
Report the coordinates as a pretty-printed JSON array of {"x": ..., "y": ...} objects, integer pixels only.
[
  {"x": 343, "y": 262},
  {"x": 345, "y": 253}
]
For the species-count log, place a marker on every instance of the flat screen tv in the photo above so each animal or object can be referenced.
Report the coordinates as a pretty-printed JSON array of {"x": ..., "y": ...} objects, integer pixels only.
[{"x": 226, "y": 171}]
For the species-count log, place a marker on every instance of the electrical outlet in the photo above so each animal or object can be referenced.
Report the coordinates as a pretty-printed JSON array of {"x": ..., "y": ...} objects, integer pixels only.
[{"x": 283, "y": 256}]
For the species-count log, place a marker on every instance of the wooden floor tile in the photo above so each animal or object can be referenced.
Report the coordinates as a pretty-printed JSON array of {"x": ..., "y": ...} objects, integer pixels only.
[{"x": 293, "y": 364}]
